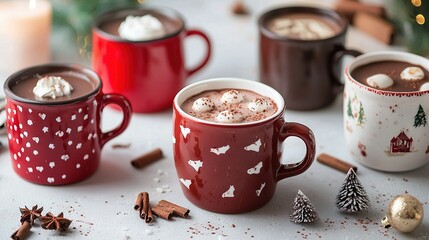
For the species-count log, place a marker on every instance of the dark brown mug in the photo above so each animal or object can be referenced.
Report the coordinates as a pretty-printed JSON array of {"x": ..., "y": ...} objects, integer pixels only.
[{"x": 306, "y": 72}]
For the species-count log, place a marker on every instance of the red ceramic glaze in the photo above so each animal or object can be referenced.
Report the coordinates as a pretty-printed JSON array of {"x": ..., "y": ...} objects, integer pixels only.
[
  {"x": 234, "y": 168},
  {"x": 148, "y": 73},
  {"x": 59, "y": 142}
]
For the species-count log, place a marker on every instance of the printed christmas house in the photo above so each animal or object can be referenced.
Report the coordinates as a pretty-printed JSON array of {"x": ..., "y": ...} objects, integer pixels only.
[{"x": 400, "y": 143}]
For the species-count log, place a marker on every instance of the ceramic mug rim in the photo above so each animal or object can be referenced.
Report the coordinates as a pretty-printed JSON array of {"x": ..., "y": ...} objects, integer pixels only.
[
  {"x": 122, "y": 12},
  {"x": 45, "y": 68},
  {"x": 306, "y": 9},
  {"x": 225, "y": 83},
  {"x": 383, "y": 56}
]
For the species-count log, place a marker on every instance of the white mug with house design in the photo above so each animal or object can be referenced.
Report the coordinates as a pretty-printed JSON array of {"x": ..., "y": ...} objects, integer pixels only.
[{"x": 387, "y": 129}]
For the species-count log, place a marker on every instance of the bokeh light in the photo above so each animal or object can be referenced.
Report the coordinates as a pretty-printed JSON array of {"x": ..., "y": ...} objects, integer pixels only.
[
  {"x": 416, "y": 3},
  {"x": 420, "y": 19}
]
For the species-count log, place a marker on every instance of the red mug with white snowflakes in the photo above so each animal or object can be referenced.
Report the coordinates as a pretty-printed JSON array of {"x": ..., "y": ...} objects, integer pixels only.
[
  {"x": 386, "y": 129},
  {"x": 234, "y": 167},
  {"x": 58, "y": 141}
]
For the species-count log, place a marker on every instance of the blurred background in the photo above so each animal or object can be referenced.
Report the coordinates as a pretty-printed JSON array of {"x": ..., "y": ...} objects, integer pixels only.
[{"x": 393, "y": 24}]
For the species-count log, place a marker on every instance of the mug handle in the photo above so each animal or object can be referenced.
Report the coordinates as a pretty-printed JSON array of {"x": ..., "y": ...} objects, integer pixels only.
[
  {"x": 336, "y": 58},
  {"x": 125, "y": 105},
  {"x": 306, "y": 135},
  {"x": 208, "y": 52}
]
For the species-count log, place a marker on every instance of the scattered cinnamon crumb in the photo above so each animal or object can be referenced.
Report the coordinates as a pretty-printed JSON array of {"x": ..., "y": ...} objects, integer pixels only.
[
  {"x": 238, "y": 8},
  {"x": 121, "y": 145}
]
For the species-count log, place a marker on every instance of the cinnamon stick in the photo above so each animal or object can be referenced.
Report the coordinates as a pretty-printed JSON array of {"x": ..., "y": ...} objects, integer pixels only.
[
  {"x": 146, "y": 212},
  {"x": 335, "y": 163},
  {"x": 177, "y": 210},
  {"x": 139, "y": 202},
  {"x": 374, "y": 26},
  {"x": 149, "y": 217},
  {"x": 162, "y": 212},
  {"x": 147, "y": 158},
  {"x": 350, "y": 8},
  {"x": 22, "y": 231}
]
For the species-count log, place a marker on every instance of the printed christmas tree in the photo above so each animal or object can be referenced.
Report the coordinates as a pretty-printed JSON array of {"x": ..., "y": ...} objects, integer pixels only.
[
  {"x": 420, "y": 118},
  {"x": 303, "y": 210},
  {"x": 352, "y": 196},
  {"x": 349, "y": 109},
  {"x": 361, "y": 115}
]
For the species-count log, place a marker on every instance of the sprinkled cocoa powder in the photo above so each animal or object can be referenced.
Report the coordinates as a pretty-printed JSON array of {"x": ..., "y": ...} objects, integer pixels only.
[{"x": 219, "y": 107}]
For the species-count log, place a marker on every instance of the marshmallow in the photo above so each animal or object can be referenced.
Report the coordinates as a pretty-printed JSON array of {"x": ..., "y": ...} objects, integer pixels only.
[
  {"x": 137, "y": 28},
  {"x": 319, "y": 29},
  {"x": 202, "y": 104},
  {"x": 232, "y": 96},
  {"x": 52, "y": 87},
  {"x": 380, "y": 81},
  {"x": 412, "y": 74},
  {"x": 258, "y": 105},
  {"x": 229, "y": 116},
  {"x": 306, "y": 29},
  {"x": 424, "y": 87}
]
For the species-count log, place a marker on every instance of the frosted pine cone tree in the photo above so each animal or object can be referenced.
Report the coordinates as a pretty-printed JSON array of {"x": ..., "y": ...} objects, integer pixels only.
[
  {"x": 352, "y": 196},
  {"x": 303, "y": 210}
]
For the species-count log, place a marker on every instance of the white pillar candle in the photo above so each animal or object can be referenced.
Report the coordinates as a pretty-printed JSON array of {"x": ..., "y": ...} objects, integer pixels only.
[{"x": 25, "y": 27}]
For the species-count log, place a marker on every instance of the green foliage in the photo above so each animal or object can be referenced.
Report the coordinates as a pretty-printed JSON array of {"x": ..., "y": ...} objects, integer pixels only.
[
  {"x": 403, "y": 14},
  {"x": 77, "y": 16}
]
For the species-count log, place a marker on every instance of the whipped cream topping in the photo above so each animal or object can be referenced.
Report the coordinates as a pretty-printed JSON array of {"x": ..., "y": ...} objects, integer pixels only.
[
  {"x": 412, "y": 74},
  {"x": 202, "y": 104},
  {"x": 52, "y": 87},
  {"x": 258, "y": 105},
  {"x": 380, "y": 81},
  {"x": 229, "y": 116},
  {"x": 232, "y": 96},
  {"x": 305, "y": 28},
  {"x": 136, "y": 28},
  {"x": 424, "y": 87}
]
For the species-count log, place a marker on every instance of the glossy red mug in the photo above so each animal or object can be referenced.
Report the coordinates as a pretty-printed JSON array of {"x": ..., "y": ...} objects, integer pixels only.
[
  {"x": 59, "y": 142},
  {"x": 234, "y": 168},
  {"x": 149, "y": 73}
]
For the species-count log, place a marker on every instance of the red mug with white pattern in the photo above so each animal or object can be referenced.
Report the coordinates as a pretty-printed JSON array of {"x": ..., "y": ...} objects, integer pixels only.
[
  {"x": 57, "y": 142},
  {"x": 234, "y": 167}
]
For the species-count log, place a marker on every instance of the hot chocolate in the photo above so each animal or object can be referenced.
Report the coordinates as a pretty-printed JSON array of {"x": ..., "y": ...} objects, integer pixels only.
[
  {"x": 230, "y": 106},
  {"x": 303, "y": 26},
  {"x": 80, "y": 83},
  {"x": 393, "y": 76},
  {"x": 169, "y": 24}
]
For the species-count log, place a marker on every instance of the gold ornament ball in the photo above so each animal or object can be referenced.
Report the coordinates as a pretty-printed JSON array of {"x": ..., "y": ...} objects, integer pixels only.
[{"x": 404, "y": 213}]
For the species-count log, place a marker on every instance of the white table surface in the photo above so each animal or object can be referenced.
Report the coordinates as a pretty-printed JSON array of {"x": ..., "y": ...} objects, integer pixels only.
[{"x": 101, "y": 207}]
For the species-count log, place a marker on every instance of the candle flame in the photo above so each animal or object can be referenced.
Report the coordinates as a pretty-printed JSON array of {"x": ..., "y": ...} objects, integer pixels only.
[{"x": 32, "y": 4}]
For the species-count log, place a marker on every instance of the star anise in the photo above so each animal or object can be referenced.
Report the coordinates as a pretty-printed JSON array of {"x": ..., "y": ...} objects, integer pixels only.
[
  {"x": 30, "y": 215},
  {"x": 58, "y": 223}
]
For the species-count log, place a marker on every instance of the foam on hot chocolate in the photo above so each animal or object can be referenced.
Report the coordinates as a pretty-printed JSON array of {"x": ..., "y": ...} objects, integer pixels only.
[
  {"x": 393, "y": 76},
  {"x": 303, "y": 26},
  {"x": 230, "y": 106},
  {"x": 52, "y": 87},
  {"x": 55, "y": 81},
  {"x": 138, "y": 28},
  {"x": 141, "y": 25}
]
